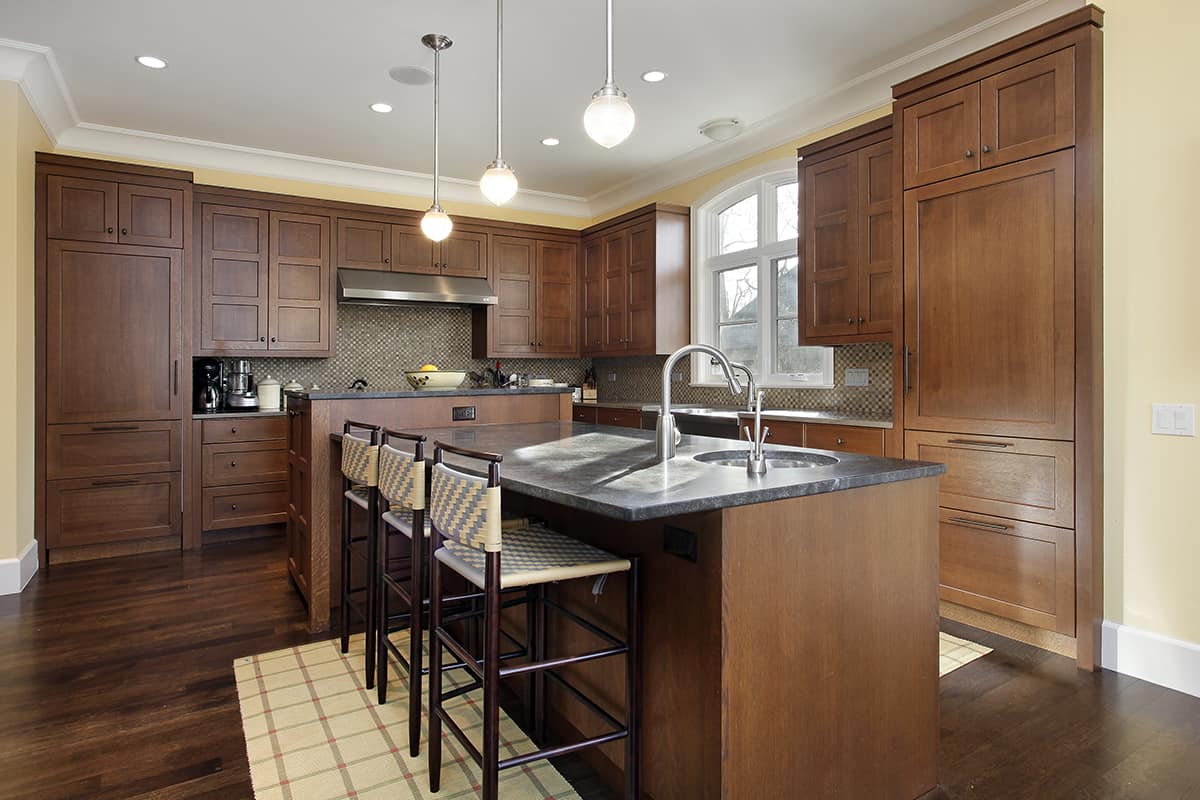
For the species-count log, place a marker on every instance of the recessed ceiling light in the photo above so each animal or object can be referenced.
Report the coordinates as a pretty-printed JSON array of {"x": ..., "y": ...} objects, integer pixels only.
[
  {"x": 653, "y": 76},
  {"x": 550, "y": 141},
  {"x": 381, "y": 108},
  {"x": 153, "y": 62}
]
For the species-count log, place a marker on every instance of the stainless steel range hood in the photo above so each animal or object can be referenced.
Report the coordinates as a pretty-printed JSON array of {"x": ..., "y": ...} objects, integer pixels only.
[{"x": 369, "y": 287}]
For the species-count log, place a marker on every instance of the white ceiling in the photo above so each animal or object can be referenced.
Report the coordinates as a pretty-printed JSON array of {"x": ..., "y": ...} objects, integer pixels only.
[{"x": 297, "y": 76}]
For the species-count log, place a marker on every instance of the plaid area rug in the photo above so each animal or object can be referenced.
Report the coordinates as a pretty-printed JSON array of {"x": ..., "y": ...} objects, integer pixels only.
[
  {"x": 954, "y": 653},
  {"x": 313, "y": 732}
]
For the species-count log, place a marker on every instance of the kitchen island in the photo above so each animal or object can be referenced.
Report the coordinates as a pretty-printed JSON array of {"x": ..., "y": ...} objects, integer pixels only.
[{"x": 790, "y": 621}]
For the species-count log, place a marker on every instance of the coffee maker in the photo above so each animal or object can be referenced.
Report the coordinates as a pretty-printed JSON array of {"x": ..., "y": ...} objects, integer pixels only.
[
  {"x": 240, "y": 393},
  {"x": 208, "y": 381}
]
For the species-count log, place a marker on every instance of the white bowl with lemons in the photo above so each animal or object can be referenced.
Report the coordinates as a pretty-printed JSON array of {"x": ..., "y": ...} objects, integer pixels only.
[{"x": 430, "y": 377}]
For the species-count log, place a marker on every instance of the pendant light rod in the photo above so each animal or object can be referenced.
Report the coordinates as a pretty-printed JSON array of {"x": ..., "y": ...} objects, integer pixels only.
[
  {"x": 608, "y": 79},
  {"x": 499, "y": 81},
  {"x": 437, "y": 43}
]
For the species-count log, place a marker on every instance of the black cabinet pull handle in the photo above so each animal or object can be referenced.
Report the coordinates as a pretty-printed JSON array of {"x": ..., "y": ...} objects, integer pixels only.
[
  {"x": 116, "y": 482},
  {"x": 975, "y": 523},
  {"x": 175, "y": 377},
  {"x": 110, "y": 428},
  {"x": 979, "y": 443}
]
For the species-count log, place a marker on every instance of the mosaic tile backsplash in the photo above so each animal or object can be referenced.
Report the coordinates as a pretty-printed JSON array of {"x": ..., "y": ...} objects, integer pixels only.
[
  {"x": 380, "y": 342},
  {"x": 640, "y": 378}
]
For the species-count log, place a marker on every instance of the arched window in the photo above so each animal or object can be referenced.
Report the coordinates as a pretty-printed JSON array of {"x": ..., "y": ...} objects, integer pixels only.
[{"x": 745, "y": 283}]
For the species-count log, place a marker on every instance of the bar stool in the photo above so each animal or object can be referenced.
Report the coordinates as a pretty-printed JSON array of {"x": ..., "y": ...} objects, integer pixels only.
[
  {"x": 467, "y": 537},
  {"x": 360, "y": 473}
]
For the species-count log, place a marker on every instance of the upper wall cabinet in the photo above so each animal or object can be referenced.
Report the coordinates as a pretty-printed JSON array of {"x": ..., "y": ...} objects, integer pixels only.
[
  {"x": 535, "y": 280},
  {"x": 1024, "y": 111},
  {"x": 265, "y": 282},
  {"x": 88, "y": 210},
  {"x": 849, "y": 292},
  {"x": 398, "y": 247},
  {"x": 636, "y": 286}
]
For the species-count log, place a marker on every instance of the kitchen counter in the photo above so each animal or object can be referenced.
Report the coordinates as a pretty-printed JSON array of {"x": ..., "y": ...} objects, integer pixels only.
[
  {"x": 613, "y": 471},
  {"x": 274, "y": 412},
  {"x": 731, "y": 413},
  {"x": 346, "y": 394}
]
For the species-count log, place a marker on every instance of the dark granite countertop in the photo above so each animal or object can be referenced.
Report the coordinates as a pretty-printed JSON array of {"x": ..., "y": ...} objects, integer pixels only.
[
  {"x": 274, "y": 412},
  {"x": 344, "y": 394},
  {"x": 731, "y": 413},
  {"x": 612, "y": 471}
]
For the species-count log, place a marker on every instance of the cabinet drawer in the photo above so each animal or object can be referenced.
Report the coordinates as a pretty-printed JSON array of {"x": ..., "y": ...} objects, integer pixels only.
[
  {"x": 621, "y": 417},
  {"x": 1026, "y": 479},
  {"x": 781, "y": 431},
  {"x": 244, "y": 429},
  {"x": 234, "y": 464},
  {"x": 1017, "y": 570},
  {"x": 81, "y": 451},
  {"x": 848, "y": 439},
  {"x": 584, "y": 414},
  {"x": 238, "y": 506},
  {"x": 95, "y": 511}
]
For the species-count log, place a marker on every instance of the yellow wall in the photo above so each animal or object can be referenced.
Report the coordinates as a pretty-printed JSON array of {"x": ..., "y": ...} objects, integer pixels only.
[
  {"x": 1152, "y": 327},
  {"x": 20, "y": 136}
]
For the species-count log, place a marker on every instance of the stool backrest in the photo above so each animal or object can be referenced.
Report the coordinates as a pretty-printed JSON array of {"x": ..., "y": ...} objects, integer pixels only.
[
  {"x": 466, "y": 507},
  {"x": 402, "y": 472},
  {"x": 360, "y": 455}
]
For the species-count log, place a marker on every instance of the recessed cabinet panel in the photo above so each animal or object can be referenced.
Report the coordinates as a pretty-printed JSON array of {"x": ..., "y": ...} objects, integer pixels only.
[
  {"x": 514, "y": 264},
  {"x": 299, "y": 282},
  {"x": 592, "y": 295},
  {"x": 831, "y": 246},
  {"x": 464, "y": 253},
  {"x": 94, "y": 511},
  {"x": 412, "y": 251},
  {"x": 877, "y": 285},
  {"x": 90, "y": 450},
  {"x": 557, "y": 329},
  {"x": 364, "y": 245},
  {"x": 1029, "y": 110},
  {"x": 81, "y": 209},
  {"x": 616, "y": 297},
  {"x": 234, "y": 275},
  {"x": 150, "y": 215},
  {"x": 941, "y": 137}
]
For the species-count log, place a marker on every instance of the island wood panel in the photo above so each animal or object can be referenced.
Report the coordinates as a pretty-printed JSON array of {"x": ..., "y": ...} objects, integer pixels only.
[
  {"x": 123, "y": 448},
  {"x": 830, "y": 645}
]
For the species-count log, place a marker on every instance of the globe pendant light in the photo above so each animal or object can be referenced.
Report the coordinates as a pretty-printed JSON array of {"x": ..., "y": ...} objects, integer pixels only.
[
  {"x": 436, "y": 224},
  {"x": 609, "y": 118},
  {"x": 499, "y": 183}
]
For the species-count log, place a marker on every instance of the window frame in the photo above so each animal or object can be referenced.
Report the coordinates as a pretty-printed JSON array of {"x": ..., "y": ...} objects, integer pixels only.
[{"x": 708, "y": 262}]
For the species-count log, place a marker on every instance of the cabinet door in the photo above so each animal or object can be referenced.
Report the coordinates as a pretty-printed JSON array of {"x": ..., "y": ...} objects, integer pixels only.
[
  {"x": 81, "y": 209},
  {"x": 877, "y": 284},
  {"x": 233, "y": 282},
  {"x": 1028, "y": 110},
  {"x": 557, "y": 328},
  {"x": 112, "y": 332},
  {"x": 412, "y": 251},
  {"x": 941, "y": 137},
  {"x": 465, "y": 254},
  {"x": 831, "y": 246},
  {"x": 150, "y": 215},
  {"x": 989, "y": 301},
  {"x": 513, "y": 318},
  {"x": 106, "y": 510},
  {"x": 299, "y": 282},
  {"x": 123, "y": 448},
  {"x": 592, "y": 297},
  {"x": 641, "y": 337},
  {"x": 616, "y": 291},
  {"x": 364, "y": 245}
]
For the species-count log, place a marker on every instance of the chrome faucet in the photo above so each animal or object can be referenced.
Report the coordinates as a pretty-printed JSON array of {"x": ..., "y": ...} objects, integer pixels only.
[
  {"x": 756, "y": 459},
  {"x": 666, "y": 436},
  {"x": 751, "y": 387}
]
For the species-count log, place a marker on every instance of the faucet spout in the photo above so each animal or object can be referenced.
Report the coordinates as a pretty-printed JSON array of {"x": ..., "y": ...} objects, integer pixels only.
[{"x": 667, "y": 435}]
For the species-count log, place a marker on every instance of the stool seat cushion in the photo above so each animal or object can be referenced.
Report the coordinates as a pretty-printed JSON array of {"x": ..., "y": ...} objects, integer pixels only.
[
  {"x": 531, "y": 556},
  {"x": 358, "y": 495},
  {"x": 402, "y": 520}
]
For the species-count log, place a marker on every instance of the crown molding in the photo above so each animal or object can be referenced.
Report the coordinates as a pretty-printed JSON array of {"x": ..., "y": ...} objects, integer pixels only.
[
  {"x": 867, "y": 92},
  {"x": 35, "y": 69}
]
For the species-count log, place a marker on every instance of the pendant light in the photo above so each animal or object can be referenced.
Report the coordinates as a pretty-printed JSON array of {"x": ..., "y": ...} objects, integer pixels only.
[
  {"x": 499, "y": 183},
  {"x": 609, "y": 118},
  {"x": 436, "y": 224}
]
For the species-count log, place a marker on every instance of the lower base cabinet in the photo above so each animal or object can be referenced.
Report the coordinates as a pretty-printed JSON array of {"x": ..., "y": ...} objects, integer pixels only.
[
  {"x": 93, "y": 517},
  {"x": 244, "y": 469}
]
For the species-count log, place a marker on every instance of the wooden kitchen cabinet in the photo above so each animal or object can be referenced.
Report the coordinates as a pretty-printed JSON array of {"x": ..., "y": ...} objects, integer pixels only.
[
  {"x": 107, "y": 449},
  {"x": 396, "y": 247},
  {"x": 112, "y": 332},
  {"x": 636, "y": 283},
  {"x": 89, "y": 210},
  {"x": 91, "y": 517},
  {"x": 849, "y": 289},
  {"x": 266, "y": 282},
  {"x": 990, "y": 301},
  {"x": 1018, "y": 113},
  {"x": 536, "y": 314},
  {"x": 364, "y": 245}
]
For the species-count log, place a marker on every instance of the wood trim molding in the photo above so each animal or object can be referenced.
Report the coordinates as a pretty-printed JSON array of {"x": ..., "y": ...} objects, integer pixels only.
[
  {"x": 121, "y": 168},
  {"x": 637, "y": 213},
  {"x": 877, "y": 130}
]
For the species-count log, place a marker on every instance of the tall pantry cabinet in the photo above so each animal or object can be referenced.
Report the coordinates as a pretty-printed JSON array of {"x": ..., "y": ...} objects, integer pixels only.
[
  {"x": 111, "y": 384},
  {"x": 1000, "y": 171}
]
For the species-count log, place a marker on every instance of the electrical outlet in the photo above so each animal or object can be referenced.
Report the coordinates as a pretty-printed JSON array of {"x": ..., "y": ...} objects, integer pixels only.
[
  {"x": 858, "y": 377},
  {"x": 612, "y": 377},
  {"x": 1177, "y": 419},
  {"x": 676, "y": 377}
]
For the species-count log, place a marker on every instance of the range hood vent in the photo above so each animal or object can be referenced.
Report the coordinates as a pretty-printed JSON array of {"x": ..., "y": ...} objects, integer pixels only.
[{"x": 369, "y": 287}]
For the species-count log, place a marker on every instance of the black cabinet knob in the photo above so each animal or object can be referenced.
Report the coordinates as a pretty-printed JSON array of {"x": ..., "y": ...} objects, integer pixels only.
[
  {"x": 387, "y": 261},
  {"x": 987, "y": 149},
  {"x": 272, "y": 338},
  {"x": 861, "y": 320},
  {"x": 233, "y": 463},
  {"x": 124, "y": 231},
  {"x": 262, "y": 338},
  {"x": 970, "y": 153},
  {"x": 110, "y": 230},
  {"x": 850, "y": 321},
  {"x": 841, "y": 441},
  {"x": 234, "y": 506},
  {"x": 233, "y": 430}
]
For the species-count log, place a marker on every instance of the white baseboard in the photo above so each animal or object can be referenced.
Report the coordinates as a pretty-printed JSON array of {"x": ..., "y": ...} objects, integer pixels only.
[
  {"x": 15, "y": 573},
  {"x": 1152, "y": 657}
]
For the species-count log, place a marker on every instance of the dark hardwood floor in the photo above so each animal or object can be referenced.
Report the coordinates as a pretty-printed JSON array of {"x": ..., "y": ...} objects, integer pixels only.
[{"x": 116, "y": 682}]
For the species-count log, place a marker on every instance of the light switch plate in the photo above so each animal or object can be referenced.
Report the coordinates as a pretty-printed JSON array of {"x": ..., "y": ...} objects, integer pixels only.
[
  {"x": 612, "y": 377},
  {"x": 1173, "y": 419},
  {"x": 858, "y": 377}
]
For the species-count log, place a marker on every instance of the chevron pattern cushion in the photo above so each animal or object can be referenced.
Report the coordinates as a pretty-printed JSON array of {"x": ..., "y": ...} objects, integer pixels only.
[
  {"x": 401, "y": 479},
  {"x": 402, "y": 520},
  {"x": 531, "y": 556},
  {"x": 360, "y": 460},
  {"x": 465, "y": 509}
]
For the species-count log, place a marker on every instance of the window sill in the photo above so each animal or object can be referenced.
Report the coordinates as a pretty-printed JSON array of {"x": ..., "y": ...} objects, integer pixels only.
[{"x": 722, "y": 385}]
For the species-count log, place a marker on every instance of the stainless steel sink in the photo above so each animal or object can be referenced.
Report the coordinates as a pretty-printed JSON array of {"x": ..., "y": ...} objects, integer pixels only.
[{"x": 776, "y": 459}]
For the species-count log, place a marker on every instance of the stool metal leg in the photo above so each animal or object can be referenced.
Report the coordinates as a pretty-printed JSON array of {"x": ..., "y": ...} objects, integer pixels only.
[
  {"x": 633, "y": 711},
  {"x": 344, "y": 595},
  {"x": 491, "y": 680},
  {"x": 416, "y": 593}
]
